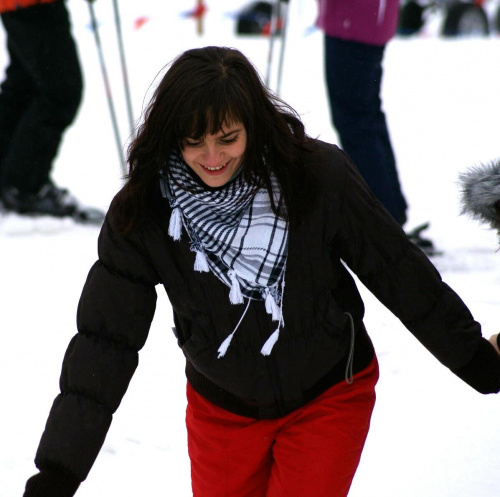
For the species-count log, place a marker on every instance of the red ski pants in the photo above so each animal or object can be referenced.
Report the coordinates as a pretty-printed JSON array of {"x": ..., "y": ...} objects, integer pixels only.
[{"x": 312, "y": 452}]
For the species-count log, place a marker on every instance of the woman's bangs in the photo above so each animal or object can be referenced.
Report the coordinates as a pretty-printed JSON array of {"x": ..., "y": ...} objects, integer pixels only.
[{"x": 209, "y": 114}]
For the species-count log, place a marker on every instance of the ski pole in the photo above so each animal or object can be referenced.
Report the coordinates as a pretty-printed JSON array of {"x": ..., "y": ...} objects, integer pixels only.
[
  {"x": 272, "y": 34},
  {"x": 278, "y": 21},
  {"x": 126, "y": 84},
  {"x": 284, "y": 22},
  {"x": 107, "y": 87},
  {"x": 199, "y": 11}
]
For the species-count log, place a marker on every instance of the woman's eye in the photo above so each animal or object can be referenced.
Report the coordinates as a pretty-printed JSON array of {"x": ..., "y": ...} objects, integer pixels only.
[
  {"x": 189, "y": 143},
  {"x": 226, "y": 141}
]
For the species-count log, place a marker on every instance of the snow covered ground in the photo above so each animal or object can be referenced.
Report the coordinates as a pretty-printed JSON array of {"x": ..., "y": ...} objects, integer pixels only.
[{"x": 431, "y": 434}]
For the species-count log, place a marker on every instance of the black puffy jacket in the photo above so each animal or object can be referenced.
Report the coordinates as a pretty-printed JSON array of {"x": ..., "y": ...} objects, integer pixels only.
[{"x": 346, "y": 224}]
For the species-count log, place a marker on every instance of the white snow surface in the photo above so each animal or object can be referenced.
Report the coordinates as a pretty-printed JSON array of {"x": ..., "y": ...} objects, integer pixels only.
[{"x": 431, "y": 434}]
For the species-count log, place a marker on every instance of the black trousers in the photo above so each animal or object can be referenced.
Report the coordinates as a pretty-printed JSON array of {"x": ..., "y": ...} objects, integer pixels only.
[
  {"x": 40, "y": 95},
  {"x": 353, "y": 74}
]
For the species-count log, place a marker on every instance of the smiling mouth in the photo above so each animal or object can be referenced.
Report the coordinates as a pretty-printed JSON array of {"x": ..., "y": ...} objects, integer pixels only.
[{"x": 218, "y": 168}]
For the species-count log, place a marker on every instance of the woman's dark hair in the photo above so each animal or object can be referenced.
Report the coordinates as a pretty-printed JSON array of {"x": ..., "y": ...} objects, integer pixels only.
[{"x": 203, "y": 90}]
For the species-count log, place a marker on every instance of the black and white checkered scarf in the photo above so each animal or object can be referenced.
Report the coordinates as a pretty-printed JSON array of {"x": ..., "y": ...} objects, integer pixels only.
[{"x": 235, "y": 234}]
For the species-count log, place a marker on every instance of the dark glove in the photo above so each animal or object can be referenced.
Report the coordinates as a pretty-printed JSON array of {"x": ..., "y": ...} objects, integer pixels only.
[
  {"x": 50, "y": 483},
  {"x": 496, "y": 222},
  {"x": 482, "y": 372}
]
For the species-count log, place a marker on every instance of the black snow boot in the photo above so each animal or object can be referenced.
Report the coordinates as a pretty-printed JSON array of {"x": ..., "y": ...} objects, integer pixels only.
[
  {"x": 423, "y": 243},
  {"x": 49, "y": 201}
]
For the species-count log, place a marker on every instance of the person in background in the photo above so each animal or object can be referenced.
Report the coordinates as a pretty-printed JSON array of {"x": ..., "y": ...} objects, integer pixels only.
[
  {"x": 247, "y": 223},
  {"x": 480, "y": 194},
  {"x": 480, "y": 199},
  {"x": 355, "y": 36},
  {"x": 39, "y": 99}
]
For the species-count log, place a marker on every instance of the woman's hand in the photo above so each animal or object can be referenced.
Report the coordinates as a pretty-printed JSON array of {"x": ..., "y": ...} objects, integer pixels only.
[{"x": 494, "y": 340}]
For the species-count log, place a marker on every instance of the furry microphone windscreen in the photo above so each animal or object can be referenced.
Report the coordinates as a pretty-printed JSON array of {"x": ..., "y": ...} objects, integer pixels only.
[{"x": 480, "y": 188}]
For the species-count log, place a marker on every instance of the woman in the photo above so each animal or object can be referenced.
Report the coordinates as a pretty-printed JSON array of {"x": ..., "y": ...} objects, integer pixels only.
[
  {"x": 356, "y": 33},
  {"x": 245, "y": 221}
]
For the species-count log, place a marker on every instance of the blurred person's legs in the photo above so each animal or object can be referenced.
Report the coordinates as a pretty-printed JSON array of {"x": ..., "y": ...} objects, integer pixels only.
[
  {"x": 353, "y": 74},
  {"x": 15, "y": 96},
  {"x": 39, "y": 99}
]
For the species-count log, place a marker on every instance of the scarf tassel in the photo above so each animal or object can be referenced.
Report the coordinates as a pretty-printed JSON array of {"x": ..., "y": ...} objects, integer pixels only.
[
  {"x": 268, "y": 346},
  {"x": 235, "y": 296},
  {"x": 271, "y": 306},
  {"x": 175, "y": 224},
  {"x": 201, "y": 263},
  {"x": 271, "y": 341},
  {"x": 225, "y": 345}
]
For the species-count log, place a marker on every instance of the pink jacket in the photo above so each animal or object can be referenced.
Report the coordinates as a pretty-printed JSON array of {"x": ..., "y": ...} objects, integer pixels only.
[{"x": 367, "y": 21}]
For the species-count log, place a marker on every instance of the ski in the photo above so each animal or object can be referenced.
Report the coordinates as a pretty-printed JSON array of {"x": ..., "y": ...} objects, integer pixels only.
[
  {"x": 14, "y": 224},
  {"x": 89, "y": 215}
]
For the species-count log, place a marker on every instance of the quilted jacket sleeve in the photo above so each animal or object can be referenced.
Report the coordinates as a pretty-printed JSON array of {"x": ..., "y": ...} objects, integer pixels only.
[
  {"x": 401, "y": 277},
  {"x": 114, "y": 316}
]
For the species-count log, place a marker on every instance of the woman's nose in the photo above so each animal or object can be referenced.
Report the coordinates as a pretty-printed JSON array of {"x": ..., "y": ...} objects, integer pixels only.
[{"x": 212, "y": 156}]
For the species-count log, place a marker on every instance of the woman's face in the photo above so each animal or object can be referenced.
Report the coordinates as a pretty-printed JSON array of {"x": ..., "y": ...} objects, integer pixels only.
[{"x": 216, "y": 158}]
